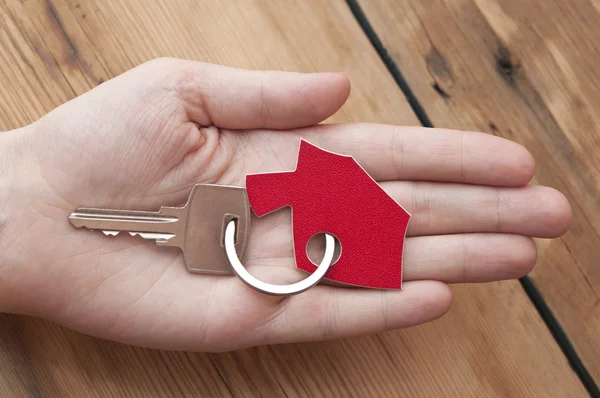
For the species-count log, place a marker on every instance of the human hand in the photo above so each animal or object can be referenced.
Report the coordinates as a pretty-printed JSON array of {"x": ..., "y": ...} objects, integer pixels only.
[{"x": 141, "y": 140}]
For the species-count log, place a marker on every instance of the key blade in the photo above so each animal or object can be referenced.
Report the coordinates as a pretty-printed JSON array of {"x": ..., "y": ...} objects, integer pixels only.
[{"x": 165, "y": 221}]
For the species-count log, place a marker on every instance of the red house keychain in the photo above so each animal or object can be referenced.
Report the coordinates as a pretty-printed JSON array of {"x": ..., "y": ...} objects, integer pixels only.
[
  {"x": 328, "y": 193},
  {"x": 332, "y": 193}
]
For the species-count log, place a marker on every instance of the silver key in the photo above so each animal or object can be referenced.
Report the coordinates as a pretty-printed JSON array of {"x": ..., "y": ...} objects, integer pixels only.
[{"x": 197, "y": 228}]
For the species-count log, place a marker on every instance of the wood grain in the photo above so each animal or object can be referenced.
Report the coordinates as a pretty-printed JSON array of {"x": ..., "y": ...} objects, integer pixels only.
[
  {"x": 526, "y": 70},
  {"x": 492, "y": 343}
]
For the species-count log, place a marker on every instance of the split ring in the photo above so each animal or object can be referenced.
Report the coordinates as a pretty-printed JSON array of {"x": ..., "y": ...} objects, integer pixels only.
[{"x": 276, "y": 290}]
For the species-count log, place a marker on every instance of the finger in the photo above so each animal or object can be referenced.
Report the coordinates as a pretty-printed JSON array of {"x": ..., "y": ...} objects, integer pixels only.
[
  {"x": 440, "y": 208},
  {"x": 243, "y": 99},
  {"x": 467, "y": 258},
  {"x": 414, "y": 153},
  {"x": 326, "y": 313}
]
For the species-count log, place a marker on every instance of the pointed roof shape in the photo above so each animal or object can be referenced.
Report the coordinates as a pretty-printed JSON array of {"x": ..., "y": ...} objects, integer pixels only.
[{"x": 332, "y": 193}]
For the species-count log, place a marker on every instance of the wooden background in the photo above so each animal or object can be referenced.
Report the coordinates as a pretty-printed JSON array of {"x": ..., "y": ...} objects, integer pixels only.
[{"x": 523, "y": 69}]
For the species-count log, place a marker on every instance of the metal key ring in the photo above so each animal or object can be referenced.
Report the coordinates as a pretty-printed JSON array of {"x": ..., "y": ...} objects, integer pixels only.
[{"x": 276, "y": 290}]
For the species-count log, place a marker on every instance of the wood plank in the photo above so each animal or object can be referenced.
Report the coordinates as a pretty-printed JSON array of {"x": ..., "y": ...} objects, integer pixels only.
[
  {"x": 526, "y": 70},
  {"x": 491, "y": 344}
]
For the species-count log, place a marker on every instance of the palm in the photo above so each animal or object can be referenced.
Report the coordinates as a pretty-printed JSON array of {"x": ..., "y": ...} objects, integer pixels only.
[{"x": 140, "y": 144}]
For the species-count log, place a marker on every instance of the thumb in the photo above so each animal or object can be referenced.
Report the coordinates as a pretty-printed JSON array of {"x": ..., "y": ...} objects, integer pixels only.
[{"x": 243, "y": 99}]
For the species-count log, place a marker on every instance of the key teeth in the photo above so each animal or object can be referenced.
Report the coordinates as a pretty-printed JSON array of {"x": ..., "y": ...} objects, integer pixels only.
[
  {"x": 156, "y": 236},
  {"x": 159, "y": 238},
  {"x": 110, "y": 233}
]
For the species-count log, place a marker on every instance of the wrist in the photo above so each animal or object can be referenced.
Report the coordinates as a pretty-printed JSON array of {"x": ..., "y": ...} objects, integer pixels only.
[
  {"x": 33, "y": 224},
  {"x": 13, "y": 159}
]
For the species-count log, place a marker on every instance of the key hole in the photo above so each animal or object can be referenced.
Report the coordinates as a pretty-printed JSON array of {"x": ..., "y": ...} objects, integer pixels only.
[
  {"x": 315, "y": 249},
  {"x": 226, "y": 220}
]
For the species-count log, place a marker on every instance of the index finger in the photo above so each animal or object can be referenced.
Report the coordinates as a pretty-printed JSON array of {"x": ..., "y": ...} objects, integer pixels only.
[{"x": 428, "y": 154}]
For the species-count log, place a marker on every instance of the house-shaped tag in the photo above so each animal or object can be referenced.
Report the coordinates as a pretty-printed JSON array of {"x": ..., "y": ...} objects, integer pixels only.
[{"x": 332, "y": 193}]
